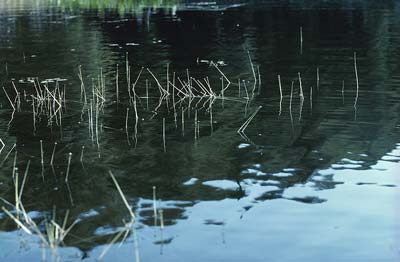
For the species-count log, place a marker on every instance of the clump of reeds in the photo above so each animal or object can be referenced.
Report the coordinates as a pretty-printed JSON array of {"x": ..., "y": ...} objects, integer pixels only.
[
  {"x": 48, "y": 102},
  {"x": 53, "y": 235}
]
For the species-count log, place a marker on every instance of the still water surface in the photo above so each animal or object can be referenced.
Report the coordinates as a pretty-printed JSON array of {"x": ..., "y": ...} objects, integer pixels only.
[{"x": 309, "y": 180}]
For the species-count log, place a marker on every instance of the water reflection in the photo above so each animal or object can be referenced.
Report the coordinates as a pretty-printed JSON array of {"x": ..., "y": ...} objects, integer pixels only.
[{"x": 293, "y": 152}]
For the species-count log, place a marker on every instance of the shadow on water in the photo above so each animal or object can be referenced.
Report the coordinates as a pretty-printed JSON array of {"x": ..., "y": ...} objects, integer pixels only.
[{"x": 205, "y": 173}]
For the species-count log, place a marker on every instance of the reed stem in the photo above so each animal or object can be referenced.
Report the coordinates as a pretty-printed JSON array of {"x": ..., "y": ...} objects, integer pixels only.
[
  {"x": 300, "y": 86},
  {"x": 52, "y": 155},
  {"x": 281, "y": 96},
  {"x": 68, "y": 167},
  {"x": 247, "y": 122},
  {"x": 83, "y": 148},
  {"x": 41, "y": 152},
  {"x": 356, "y": 73},
  {"x": 165, "y": 149},
  {"x": 154, "y": 205},
  {"x": 117, "y": 84}
]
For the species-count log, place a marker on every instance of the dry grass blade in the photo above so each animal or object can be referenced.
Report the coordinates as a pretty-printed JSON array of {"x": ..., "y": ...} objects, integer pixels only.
[
  {"x": 17, "y": 221},
  {"x": 128, "y": 226},
  {"x": 9, "y": 100},
  {"x": 356, "y": 73},
  {"x": 7, "y": 155},
  {"x": 122, "y": 195},
  {"x": 247, "y": 122},
  {"x": 110, "y": 244}
]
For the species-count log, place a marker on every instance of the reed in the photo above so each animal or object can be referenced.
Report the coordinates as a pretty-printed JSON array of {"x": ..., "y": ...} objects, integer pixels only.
[
  {"x": 301, "y": 34},
  {"x": 245, "y": 89},
  {"x": 2, "y": 145},
  {"x": 9, "y": 100},
  {"x": 135, "y": 83},
  {"x": 117, "y": 84},
  {"x": 161, "y": 213},
  {"x": 128, "y": 76},
  {"x": 173, "y": 101},
  {"x": 290, "y": 106},
  {"x": 136, "y": 120},
  {"x": 17, "y": 97},
  {"x": 24, "y": 181},
  {"x": 291, "y": 95},
  {"x": 163, "y": 92},
  {"x": 82, "y": 150},
  {"x": 53, "y": 235},
  {"x": 17, "y": 221},
  {"x": 280, "y": 86},
  {"x": 132, "y": 215},
  {"x": 254, "y": 74},
  {"x": 52, "y": 155},
  {"x": 91, "y": 120},
  {"x": 318, "y": 78},
  {"x": 34, "y": 116},
  {"x": 183, "y": 122},
  {"x": 7, "y": 155},
  {"x": 247, "y": 122},
  {"x": 15, "y": 164},
  {"x": 280, "y": 93},
  {"x": 168, "y": 77},
  {"x": 83, "y": 89},
  {"x": 301, "y": 40},
  {"x": 97, "y": 124},
  {"x": 195, "y": 125},
  {"x": 147, "y": 94},
  {"x": 356, "y": 74},
  {"x": 228, "y": 82},
  {"x": 238, "y": 87},
  {"x": 41, "y": 152},
  {"x": 211, "y": 118},
  {"x": 163, "y": 132},
  {"x": 110, "y": 244},
  {"x": 198, "y": 129},
  {"x": 259, "y": 79},
  {"x": 16, "y": 186},
  {"x": 68, "y": 167},
  {"x": 126, "y": 124},
  {"x": 300, "y": 86},
  {"x": 301, "y": 108},
  {"x": 154, "y": 205},
  {"x": 343, "y": 92}
]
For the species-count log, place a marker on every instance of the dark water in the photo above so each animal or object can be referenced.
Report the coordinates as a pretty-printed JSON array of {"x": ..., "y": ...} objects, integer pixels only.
[{"x": 309, "y": 180}]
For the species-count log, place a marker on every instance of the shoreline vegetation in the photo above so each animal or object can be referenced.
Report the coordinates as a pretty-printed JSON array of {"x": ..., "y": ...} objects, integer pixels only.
[{"x": 121, "y": 6}]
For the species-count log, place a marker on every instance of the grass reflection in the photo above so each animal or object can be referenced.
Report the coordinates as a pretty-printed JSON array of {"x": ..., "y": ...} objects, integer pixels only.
[{"x": 121, "y": 6}]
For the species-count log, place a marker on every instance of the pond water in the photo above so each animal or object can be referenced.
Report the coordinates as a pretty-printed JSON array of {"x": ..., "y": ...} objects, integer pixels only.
[{"x": 217, "y": 161}]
